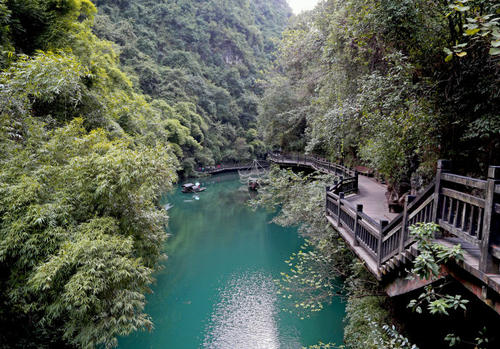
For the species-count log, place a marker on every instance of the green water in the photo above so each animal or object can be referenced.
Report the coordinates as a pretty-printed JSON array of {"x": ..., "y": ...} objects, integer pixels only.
[{"x": 216, "y": 290}]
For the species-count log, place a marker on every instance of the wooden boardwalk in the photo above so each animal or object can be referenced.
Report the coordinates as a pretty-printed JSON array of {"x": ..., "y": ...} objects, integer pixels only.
[
  {"x": 371, "y": 194},
  {"x": 231, "y": 168},
  {"x": 356, "y": 206}
]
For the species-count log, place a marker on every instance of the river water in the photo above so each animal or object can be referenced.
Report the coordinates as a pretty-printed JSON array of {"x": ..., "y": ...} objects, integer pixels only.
[{"x": 216, "y": 290}]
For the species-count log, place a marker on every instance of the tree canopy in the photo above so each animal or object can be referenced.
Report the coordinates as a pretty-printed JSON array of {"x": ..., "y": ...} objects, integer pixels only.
[
  {"x": 207, "y": 54},
  {"x": 377, "y": 83},
  {"x": 93, "y": 132}
]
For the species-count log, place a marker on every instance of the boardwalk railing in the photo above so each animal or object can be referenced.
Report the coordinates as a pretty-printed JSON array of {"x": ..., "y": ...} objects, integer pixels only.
[
  {"x": 347, "y": 179},
  {"x": 232, "y": 166},
  {"x": 465, "y": 207}
]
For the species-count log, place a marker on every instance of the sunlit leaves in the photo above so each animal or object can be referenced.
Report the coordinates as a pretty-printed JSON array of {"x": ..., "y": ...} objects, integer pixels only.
[
  {"x": 427, "y": 266},
  {"x": 81, "y": 230},
  {"x": 481, "y": 22}
]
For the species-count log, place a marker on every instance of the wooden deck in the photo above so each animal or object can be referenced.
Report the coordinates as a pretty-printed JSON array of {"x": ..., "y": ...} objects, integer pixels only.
[
  {"x": 371, "y": 194},
  {"x": 356, "y": 206}
]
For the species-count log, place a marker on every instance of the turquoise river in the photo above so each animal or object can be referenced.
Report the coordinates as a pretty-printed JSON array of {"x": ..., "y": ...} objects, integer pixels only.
[{"x": 216, "y": 289}]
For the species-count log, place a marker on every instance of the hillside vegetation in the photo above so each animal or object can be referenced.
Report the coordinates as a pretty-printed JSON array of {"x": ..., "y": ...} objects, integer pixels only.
[
  {"x": 206, "y": 57},
  {"x": 89, "y": 141},
  {"x": 394, "y": 85}
]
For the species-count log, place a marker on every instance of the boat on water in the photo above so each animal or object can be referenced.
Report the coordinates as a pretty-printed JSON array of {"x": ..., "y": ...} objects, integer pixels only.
[
  {"x": 192, "y": 188},
  {"x": 253, "y": 176}
]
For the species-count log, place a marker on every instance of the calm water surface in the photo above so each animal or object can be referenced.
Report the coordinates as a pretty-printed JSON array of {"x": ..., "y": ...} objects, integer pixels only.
[{"x": 216, "y": 290}]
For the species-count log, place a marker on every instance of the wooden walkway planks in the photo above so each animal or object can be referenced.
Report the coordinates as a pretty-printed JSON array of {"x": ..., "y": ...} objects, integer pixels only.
[{"x": 371, "y": 195}]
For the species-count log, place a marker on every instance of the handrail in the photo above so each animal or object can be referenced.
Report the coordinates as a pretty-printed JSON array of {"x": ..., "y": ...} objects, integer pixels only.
[
  {"x": 468, "y": 181},
  {"x": 313, "y": 159},
  {"x": 348, "y": 178},
  {"x": 447, "y": 201}
]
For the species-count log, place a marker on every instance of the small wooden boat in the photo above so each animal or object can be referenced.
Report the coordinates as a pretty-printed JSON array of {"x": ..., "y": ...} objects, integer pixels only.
[
  {"x": 253, "y": 184},
  {"x": 192, "y": 188}
]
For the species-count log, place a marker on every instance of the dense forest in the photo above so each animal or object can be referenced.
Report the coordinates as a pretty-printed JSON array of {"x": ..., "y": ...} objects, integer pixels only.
[
  {"x": 393, "y": 85},
  {"x": 105, "y": 104},
  {"x": 205, "y": 59},
  {"x": 93, "y": 131}
]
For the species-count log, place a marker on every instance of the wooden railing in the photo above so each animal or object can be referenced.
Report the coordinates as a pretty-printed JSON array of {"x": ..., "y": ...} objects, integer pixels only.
[
  {"x": 230, "y": 166},
  {"x": 396, "y": 237},
  {"x": 465, "y": 207},
  {"x": 347, "y": 179}
]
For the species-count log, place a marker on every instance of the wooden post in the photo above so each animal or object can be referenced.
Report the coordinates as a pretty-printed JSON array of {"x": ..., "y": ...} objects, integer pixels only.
[
  {"x": 356, "y": 175},
  {"x": 383, "y": 224},
  {"x": 359, "y": 208},
  {"x": 341, "y": 197},
  {"x": 486, "y": 263},
  {"x": 442, "y": 167},
  {"x": 326, "y": 199},
  {"x": 404, "y": 225}
]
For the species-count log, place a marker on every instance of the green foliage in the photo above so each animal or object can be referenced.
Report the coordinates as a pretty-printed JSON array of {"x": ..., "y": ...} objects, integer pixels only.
[
  {"x": 218, "y": 50},
  {"x": 427, "y": 267},
  {"x": 363, "y": 82},
  {"x": 83, "y": 160},
  {"x": 312, "y": 280},
  {"x": 366, "y": 328},
  {"x": 480, "y": 22},
  {"x": 43, "y": 24},
  {"x": 432, "y": 255},
  {"x": 480, "y": 342},
  {"x": 80, "y": 231}
]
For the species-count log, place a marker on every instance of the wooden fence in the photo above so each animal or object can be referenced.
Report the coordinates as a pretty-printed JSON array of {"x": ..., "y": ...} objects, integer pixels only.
[
  {"x": 347, "y": 179},
  {"x": 465, "y": 207}
]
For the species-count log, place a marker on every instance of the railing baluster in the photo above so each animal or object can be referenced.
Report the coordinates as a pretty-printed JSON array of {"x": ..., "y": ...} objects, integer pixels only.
[
  {"x": 443, "y": 167},
  {"x": 444, "y": 203},
  {"x": 359, "y": 208},
  {"x": 464, "y": 213},
  {"x": 471, "y": 220},
  {"x": 383, "y": 224},
  {"x": 339, "y": 204},
  {"x": 404, "y": 225},
  {"x": 450, "y": 210}
]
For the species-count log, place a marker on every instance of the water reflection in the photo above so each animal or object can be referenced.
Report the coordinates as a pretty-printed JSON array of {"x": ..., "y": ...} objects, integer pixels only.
[
  {"x": 216, "y": 288},
  {"x": 246, "y": 315}
]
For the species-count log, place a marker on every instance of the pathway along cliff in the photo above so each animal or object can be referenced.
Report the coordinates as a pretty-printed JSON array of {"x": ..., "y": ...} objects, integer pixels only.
[{"x": 217, "y": 289}]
